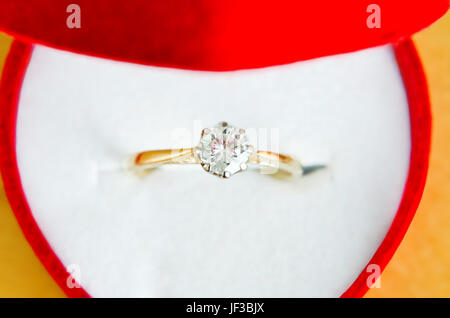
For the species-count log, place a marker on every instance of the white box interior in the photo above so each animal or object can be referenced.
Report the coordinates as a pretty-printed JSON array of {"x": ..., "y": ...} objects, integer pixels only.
[{"x": 180, "y": 232}]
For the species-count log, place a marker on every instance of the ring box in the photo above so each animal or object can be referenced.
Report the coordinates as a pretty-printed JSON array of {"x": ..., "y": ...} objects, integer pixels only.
[{"x": 76, "y": 102}]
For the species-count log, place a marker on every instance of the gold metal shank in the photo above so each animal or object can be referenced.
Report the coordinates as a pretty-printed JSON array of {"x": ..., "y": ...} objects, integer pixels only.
[{"x": 268, "y": 162}]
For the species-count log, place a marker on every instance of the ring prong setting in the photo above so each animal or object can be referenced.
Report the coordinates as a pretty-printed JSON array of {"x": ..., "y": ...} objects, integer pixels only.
[{"x": 224, "y": 150}]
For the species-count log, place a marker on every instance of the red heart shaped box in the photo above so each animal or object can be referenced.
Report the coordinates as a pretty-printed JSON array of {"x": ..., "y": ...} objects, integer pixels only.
[{"x": 219, "y": 45}]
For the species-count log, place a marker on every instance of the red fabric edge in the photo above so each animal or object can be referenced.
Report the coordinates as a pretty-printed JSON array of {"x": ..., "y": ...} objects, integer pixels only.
[
  {"x": 10, "y": 86},
  {"x": 420, "y": 121},
  {"x": 215, "y": 30}
]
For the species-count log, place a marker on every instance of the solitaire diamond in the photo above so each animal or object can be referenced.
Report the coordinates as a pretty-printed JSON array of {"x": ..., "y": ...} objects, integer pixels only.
[{"x": 224, "y": 150}]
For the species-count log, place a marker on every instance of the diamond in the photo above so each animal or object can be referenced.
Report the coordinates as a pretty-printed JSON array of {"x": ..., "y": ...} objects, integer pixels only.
[{"x": 224, "y": 150}]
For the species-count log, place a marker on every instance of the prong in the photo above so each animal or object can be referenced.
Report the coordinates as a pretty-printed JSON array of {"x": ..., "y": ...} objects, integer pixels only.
[
  {"x": 226, "y": 174},
  {"x": 197, "y": 152},
  {"x": 223, "y": 124},
  {"x": 242, "y": 131},
  {"x": 206, "y": 131},
  {"x": 206, "y": 167}
]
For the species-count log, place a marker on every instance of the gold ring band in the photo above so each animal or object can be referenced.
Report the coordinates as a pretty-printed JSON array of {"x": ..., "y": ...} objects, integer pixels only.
[
  {"x": 223, "y": 150},
  {"x": 271, "y": 162}
]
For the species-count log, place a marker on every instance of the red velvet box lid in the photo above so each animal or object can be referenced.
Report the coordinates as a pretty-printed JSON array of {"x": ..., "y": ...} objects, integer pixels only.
[{"x": 216, "y": 35}]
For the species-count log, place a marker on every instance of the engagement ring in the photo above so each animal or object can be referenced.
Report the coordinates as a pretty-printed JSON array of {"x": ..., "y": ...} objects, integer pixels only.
[{"x": 223, "y": 151}]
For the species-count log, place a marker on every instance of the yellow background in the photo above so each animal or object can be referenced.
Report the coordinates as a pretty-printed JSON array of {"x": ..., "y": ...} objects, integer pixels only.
[{"x": 421, "y": 266}]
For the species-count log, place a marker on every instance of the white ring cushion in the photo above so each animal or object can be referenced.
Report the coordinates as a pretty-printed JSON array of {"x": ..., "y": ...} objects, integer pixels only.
[{"x": 180, "y": 232}]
